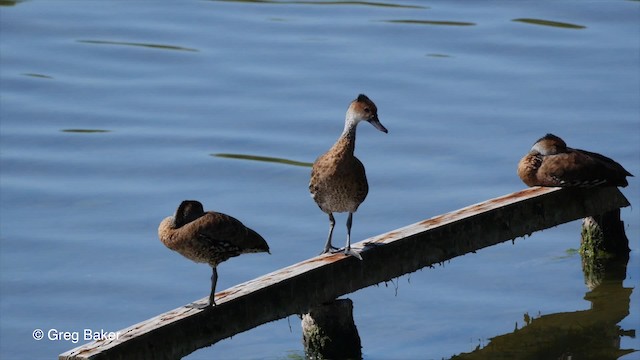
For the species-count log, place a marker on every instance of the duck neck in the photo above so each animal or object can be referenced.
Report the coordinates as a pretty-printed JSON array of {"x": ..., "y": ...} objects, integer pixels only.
[{"x": 348, "y": 137}]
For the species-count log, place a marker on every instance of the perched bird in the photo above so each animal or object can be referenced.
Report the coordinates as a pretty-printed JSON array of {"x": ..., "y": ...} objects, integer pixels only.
[
  {"x": 338, "y": 180},
  {"x": 208, "y": 237},
  {"x": 551, "y": 163}
]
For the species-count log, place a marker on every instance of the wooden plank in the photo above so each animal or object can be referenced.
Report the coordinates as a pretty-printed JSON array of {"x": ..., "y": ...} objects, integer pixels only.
[{"x": 294, "y": 289}]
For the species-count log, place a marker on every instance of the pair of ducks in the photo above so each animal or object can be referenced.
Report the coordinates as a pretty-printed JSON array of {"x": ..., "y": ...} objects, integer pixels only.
[{"x": 339, "y": 184}]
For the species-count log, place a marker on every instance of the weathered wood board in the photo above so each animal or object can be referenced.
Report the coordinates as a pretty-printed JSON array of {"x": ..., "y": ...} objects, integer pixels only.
[{"x": 292, "y": 290}]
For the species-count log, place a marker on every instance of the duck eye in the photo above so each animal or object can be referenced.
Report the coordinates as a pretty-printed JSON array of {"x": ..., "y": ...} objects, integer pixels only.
[{"x": 367, "y": 110}]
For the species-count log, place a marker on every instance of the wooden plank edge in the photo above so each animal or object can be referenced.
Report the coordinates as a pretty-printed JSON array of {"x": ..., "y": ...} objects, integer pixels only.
[{"x": 381, "y": 249}]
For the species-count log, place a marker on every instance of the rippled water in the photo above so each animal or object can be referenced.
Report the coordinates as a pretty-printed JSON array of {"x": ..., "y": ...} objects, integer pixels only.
[{"x": 113, "y": 112}]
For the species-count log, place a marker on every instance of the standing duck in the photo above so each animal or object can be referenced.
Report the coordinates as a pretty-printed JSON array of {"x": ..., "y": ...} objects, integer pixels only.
[
  {"x": 338, "y": 180},
  {"x": 551, "y": 163},
  {"x": 208, "y": 237}
]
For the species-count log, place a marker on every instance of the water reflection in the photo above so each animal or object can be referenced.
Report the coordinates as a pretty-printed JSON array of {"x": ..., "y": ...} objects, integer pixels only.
[
  {"x": 124, "y": 43},
  {"x": 85, "y": 131},
  {"x": 550, "y": 23},
  {"x": 431, "y": 22},
  {"x": 9, "y": 2},
  {"x": 41, "y": 76},
  {"x": 302, "y": 2},
  {"x": 264, "y": 158},
  {"x": 586, "y": 334}
]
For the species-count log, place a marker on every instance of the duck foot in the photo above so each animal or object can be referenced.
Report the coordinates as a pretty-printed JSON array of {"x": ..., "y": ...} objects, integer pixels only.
[
  {"x": 330, "y": 250},
  {"x": 347, "y": 252},
  {"x": 352, "y": 253},
  {"x": 199, "y": 306}
]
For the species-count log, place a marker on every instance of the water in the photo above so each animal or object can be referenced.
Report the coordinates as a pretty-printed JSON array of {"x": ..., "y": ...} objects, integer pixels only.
[{"x": 111, "y": 111}]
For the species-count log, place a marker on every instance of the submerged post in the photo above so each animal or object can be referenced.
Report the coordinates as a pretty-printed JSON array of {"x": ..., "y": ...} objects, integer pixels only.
[
  {"x": 605, "y": 233},
  {"x": 294, "y": 289},
  {"x": 329, "y": 332},
  {"x": 603, "y": 240}
]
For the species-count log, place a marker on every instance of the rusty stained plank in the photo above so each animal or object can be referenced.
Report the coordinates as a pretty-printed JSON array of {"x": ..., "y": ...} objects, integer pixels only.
[{"x": 292, "y": 290}]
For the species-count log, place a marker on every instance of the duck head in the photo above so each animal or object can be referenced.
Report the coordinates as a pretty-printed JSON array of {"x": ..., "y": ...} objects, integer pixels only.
[
  {"x": 549, "y": 145},
  {"x": 363, "y": 109},
  {"x": 188, "y": 211}
]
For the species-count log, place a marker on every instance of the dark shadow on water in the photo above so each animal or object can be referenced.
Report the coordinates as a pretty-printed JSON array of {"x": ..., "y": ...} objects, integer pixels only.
[
  {"x": 431, "y": 22},
  {"x": 556, "y": 24},
  {"x": 264, "y": 159},
  {"x": 439, "y": 55},
  {"x": 40, "y": 76},
  {"x": 587, "y": 334},
  {"x": 144, "y": 45},
  {"x": 9, "y": 2},
  {"x": 85, "y": 131},
  {"x": 309, "y": 2}
]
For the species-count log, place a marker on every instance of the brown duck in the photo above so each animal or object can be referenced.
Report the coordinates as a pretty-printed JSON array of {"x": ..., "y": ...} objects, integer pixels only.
[
  {"x": 338, "y": 180},
  {"x": 208, "y": 237},
  {"x": 551, "y": 163}
]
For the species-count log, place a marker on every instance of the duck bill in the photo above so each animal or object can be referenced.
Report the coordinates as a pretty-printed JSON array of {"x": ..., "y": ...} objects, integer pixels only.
[{"x": 378, "y": 125}]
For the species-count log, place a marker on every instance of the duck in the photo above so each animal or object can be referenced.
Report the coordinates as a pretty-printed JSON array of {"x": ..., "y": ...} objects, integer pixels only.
[
  {"x": 338, "y": 180},
  {"x": 552, "y": 163},
  {"x": 208, "y": 237}
]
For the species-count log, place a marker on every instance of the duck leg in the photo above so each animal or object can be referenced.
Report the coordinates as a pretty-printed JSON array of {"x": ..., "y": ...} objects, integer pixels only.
[
  {"x": 212, "y": 295},
  {"x": 347, "y": 248},
  {"x": 214, "y": 281},
  {"x": 328, "y": 247}
]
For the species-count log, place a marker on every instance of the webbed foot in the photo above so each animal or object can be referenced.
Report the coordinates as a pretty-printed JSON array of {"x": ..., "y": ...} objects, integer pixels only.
[
  {"x": 195, "y": 305},
  {"x": 330, "y": 249}
]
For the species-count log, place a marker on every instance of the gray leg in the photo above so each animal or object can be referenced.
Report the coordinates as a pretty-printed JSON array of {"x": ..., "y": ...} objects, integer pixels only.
[
  {"x": 212, "y": 295},
  {"x": 214, "y": 281},
  {"x": 328, "y": 247},
  {"x": 349, "y": 222},
  {"x": 347, "y": 248}
]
